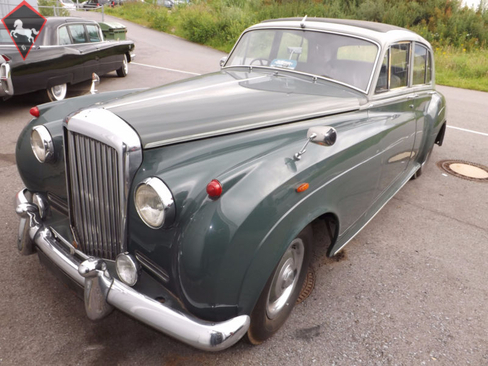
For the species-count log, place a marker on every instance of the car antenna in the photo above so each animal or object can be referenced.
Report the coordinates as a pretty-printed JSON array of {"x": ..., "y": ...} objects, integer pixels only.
[{"x": 302, "y": 23}]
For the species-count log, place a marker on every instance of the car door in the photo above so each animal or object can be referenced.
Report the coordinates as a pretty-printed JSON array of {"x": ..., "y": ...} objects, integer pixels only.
[
  {"x": 422, "y": 87},
  {"x": 109, "y": 57},
  {"x": 88, "y": 51},
  {"x": 394, "y": 109}
]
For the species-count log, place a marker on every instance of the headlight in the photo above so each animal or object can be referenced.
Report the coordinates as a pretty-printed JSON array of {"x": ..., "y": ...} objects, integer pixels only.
[
  {"x": 127, "y": 268},
  {"x": 42, "y": 144},
  {"x": 154, "y": 203}
]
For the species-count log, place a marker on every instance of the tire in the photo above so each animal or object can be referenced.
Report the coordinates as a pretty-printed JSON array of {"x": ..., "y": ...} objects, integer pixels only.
[
  {"x": 419, "y": 171},
  {"x": 124, "y": 69},
  {"x": 275, "y": 303},
  {"x": 57, "y": 92}
]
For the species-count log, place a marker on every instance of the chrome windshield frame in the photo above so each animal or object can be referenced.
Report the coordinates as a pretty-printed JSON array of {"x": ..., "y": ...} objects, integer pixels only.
[{"x": 364, "y": 91}]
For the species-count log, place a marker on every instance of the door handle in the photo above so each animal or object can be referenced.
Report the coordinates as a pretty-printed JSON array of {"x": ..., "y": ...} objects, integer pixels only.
[{"x": 413, "y": 96}]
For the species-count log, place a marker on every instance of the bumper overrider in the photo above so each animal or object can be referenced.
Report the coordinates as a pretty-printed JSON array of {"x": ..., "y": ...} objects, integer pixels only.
[
  {"x": 102, "y": 292},
  {"x": 6, "y": 85}
]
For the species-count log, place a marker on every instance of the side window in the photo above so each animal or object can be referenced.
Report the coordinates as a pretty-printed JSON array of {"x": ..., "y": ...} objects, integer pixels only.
[
  {"x": 93, "y": 33},
  {"x": 419, "y": 65},
  {"x": 77, "y": 33},
  {"x": 428, "y": 79},
  {"x": 382, "y": 84},
  {"x": 399, "y": 56},
  {"x": 63, "y": 36}
]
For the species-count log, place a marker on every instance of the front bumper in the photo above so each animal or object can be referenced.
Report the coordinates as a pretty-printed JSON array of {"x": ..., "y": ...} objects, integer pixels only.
[{"x": 102, "y": 292}]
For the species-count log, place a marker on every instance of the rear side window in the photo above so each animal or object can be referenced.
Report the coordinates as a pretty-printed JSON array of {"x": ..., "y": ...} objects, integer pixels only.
[
  {"x": 77, "y": 33},
  {"x": 420, "y": 66},
  {"x": 399, "y": 57},
  {"x": 63, "y": 36},
  {"x": 93, "y": 33}
]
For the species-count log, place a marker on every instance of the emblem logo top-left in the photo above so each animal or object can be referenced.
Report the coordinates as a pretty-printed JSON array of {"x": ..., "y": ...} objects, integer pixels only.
[{"x": 24, "y": 24}]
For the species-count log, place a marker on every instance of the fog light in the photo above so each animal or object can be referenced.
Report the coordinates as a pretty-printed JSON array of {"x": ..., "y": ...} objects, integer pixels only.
[{"x": 127, "y": 268}]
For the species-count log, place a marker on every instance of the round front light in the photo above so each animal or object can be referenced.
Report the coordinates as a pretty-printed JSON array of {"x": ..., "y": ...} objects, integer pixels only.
[
  {"x": 154, "y": 203},
  {"x": 127, "y": 268},
  {"x": 42, "y": 144}
]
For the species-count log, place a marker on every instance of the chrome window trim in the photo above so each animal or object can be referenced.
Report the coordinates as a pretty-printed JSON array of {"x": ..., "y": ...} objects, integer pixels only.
[
  {"x": 373, "y": 71},
  {"x": 111, "y": 130},
  {"x": 76, "y": 44}
]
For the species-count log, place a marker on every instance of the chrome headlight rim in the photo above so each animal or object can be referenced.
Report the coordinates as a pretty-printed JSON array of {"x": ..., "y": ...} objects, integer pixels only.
[
  {"x": 46, "y": 141},
  {"x": 166, "y": 198},
  {"x": 134, "y": 266}
]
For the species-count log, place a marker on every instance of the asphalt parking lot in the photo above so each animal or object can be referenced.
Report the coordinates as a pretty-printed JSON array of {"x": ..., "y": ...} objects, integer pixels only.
[{"x": 410, "y": 289}]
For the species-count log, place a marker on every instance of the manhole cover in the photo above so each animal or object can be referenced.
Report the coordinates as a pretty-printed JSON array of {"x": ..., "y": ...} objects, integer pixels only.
[
  {"x": 308, "y": 286},
  {"x": 465, "y": 170}
]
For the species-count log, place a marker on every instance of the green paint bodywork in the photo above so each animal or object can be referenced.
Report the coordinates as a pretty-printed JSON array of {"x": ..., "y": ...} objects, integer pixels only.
[{"x": 220, "y": 252}]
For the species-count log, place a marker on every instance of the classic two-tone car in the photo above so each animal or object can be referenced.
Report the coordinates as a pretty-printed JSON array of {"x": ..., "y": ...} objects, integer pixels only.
[
  {"x": 67, "y": 51},
  {"x": 190, "y": 206}
]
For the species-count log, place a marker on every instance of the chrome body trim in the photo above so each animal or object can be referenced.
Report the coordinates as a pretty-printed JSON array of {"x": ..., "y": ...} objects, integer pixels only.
[
  {"x": 99, "y": 186},
  {"x": 102, "y": 292},
  {"x": 6, "y": 85}
]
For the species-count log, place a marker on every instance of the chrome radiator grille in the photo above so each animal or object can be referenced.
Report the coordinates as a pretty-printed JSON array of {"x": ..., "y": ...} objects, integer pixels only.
[{"x": 95, "y": 196}]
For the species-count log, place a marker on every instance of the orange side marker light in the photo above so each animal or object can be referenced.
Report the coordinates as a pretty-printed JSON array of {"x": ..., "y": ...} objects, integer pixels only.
[{"x": 302, "y": 187}]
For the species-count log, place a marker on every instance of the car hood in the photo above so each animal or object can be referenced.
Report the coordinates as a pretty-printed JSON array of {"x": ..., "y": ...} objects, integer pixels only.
[{"x": 227, "y": 102}]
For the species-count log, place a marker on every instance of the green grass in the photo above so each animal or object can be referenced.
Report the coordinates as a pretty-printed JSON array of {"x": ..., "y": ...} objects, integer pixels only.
[
  {"x": 461, "y": 69},
  {"x": 459, "y": 34}
]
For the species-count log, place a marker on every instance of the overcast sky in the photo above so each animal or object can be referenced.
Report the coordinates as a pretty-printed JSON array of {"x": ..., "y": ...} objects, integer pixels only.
[{"x": 472, "y": 3}]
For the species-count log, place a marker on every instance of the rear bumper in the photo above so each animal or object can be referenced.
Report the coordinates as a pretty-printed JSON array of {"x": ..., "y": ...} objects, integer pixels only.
[
  {"x": 6, "y": 85},
  {"x": 102, "y": 292}
]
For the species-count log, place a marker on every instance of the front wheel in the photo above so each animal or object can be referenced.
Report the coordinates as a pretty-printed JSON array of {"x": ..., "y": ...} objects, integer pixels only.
[
  {"x": 57, "y": 92},
  {"x": 282, "y": 289},
  {"x": 124, "y": 69}
]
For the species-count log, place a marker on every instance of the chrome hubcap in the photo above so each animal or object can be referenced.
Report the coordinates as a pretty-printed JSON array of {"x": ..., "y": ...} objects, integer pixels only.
[{"x": 285, "y": 278}]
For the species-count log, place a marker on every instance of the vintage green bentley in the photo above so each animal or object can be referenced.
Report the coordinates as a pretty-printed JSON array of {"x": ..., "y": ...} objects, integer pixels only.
[{"x": 190, "y": 206}]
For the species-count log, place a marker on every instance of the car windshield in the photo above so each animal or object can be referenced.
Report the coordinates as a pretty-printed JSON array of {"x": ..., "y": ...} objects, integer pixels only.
[{"x": 341, "y": 58}]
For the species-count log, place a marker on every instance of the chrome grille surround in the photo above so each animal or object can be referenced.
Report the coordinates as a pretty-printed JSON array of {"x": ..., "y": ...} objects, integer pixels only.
[{"x": 102, "y": 155}]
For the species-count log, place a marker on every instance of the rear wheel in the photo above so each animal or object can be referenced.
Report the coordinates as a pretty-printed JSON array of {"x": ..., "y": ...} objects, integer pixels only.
[
  {"x": 419, "y": 171},
  {"x": 124, "y": 69},
  {"x": 282, "y": 289},
  {"x": 57, "y": 92}
]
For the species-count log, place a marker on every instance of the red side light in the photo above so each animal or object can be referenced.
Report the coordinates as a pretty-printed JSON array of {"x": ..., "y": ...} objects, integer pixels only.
[
  {"x": 35, "y": 112},
  {"x": 6, "y": 58},
  {"x": 214, "y": 188}
]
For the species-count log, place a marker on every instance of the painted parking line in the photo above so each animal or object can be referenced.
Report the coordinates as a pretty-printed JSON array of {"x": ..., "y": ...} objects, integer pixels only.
[
  {"x": 466, "y": 130},
  {"x": 165, "y": 68}
]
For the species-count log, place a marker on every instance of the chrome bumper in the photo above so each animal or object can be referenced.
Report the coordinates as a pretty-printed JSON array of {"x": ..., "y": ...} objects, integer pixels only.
[
  {"x": 6, "y": 86},
  {"x": 103, "y": 292}
]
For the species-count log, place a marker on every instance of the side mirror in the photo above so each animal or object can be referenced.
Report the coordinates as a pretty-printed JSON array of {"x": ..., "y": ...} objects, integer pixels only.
[
  {"x": 325, "y": 135},
  {"x": 95, "y": 81},
  {"x": 223, "y": 60},
  {"x": 321, "y": 135}
]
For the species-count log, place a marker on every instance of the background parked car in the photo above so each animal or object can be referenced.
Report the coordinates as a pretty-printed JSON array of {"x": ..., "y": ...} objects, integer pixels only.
[{"x": 67, "y": 51}]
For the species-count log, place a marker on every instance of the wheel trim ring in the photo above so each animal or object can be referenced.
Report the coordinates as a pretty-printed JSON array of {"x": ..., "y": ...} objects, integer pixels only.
[
  {"x": 277, "y": 300},
  {"x": 126, "y": 65},
  {"x": 58, "y": 90}
]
